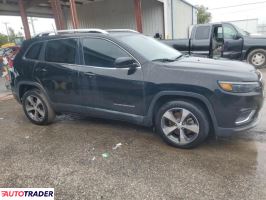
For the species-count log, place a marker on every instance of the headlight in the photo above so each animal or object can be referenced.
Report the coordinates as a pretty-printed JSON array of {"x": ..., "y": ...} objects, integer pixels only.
[{"x": 239, "y": 87}]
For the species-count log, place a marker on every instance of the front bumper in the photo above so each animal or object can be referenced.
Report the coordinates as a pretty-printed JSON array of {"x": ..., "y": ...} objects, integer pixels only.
[
  {"x": 229, "y": 131},
  {"x": 237, "y": 112}
]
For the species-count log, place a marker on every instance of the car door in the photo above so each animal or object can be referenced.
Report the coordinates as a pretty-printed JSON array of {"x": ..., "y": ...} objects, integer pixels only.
[
  {"x": 113, "y": 88},
  {"x": 233, "y": 43},
  {"x": 56, "y": 71}
]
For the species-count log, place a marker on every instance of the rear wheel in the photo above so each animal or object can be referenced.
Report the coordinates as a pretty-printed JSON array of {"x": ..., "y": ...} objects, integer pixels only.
[
  {"x": 182, "y": 124},
  {"x": 37, "y": 108},
  {"x": 257, "y": 58}
]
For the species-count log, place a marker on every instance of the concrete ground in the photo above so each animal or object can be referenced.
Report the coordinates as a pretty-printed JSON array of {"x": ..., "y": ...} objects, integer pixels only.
[{"x": 67, "y": 156}]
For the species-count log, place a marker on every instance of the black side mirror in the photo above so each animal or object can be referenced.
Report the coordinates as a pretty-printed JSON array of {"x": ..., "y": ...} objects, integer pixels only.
[
  {"x": 237, "y": 36},
  {"x": 127, "y": 62}
]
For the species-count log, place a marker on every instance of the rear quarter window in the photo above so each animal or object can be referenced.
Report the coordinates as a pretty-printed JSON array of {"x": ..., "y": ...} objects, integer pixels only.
[
  {"x": 202, "y": 33},
  {"x": 34, "y": 51}
]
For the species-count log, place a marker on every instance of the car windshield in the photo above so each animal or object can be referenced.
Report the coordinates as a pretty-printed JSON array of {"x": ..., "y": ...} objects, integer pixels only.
[
  {"x": 242, "y": 32},
  {"x": 150, "y": 48}
]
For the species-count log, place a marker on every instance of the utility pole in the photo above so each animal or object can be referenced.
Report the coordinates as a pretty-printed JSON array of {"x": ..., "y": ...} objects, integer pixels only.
[
  {"x": 6, "y": 23},
  {"x": 32, "y": 25}
]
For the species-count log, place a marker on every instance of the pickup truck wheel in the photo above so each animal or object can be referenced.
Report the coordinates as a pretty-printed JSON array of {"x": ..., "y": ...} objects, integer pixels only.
[
  {"x": 182, "y": 124},
  {"x": 37, "y": 108},
  {"x": 257, "y": 58}
]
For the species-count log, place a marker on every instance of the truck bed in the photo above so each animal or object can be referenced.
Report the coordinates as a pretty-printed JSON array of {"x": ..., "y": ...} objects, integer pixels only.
[{"x": 182, "y": 45}]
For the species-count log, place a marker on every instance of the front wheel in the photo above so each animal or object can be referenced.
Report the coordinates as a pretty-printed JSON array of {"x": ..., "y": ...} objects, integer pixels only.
[
  {"x": 182, "y": 124},
  {"x": 257, "y": 58}
]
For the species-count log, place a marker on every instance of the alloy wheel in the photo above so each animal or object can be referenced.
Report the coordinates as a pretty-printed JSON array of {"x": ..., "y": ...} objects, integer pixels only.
[
  {"x": 35, "y": 108},
  {"x": 180, "y": 125}
]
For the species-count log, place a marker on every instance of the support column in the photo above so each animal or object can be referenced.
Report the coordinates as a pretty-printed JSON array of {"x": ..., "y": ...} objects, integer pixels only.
[
  {"x": 74, "y": 15},
  {"x": 58, "y": 14},
  {"x": 24, "y": 19},
  {"x": 138, "y": 15}
]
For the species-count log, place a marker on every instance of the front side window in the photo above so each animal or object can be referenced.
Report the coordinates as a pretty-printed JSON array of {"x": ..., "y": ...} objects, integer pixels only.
[
  {"x": 61, "y": 51},
  {"x": 229, "y": 32},
  {"x": 101, "y": 53},
  {"x": 34, "y": 51}
]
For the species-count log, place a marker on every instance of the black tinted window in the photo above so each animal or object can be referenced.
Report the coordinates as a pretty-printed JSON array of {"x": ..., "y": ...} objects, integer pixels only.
[
  {"x": 101, "y": 53},
  {"x": 61, "y": 51},
  {"x": 34, "y": 51},
  {"x": 202, "y": 33}
]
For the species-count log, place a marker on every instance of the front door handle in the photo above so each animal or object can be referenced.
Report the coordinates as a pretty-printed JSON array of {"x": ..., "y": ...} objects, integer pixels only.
[{"x": 89, "y": 73}]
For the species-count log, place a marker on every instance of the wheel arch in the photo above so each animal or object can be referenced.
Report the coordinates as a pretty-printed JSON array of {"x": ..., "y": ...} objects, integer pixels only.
[
  {"x": 252, "y": 49},
  {"x": 164, "y": 97},
  {"x": 25, "y": 86}
]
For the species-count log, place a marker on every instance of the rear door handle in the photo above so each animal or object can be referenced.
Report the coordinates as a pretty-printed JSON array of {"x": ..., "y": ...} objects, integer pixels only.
[{"x": 89, "y": 73}]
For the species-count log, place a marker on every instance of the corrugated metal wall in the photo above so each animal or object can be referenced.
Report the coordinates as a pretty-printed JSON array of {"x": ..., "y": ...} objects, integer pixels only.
[
  {"x": 153, "y": 17},
  {"x": 112, "y": 14},
  {"x": 182, "y": 18}
]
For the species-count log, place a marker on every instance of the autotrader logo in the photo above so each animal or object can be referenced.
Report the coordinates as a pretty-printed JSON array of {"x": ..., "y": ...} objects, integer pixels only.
[{"x": 26, "y": 193}]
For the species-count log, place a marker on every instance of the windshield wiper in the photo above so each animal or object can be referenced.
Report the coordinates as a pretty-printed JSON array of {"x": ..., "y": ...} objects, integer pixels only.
[
  {"x": 168, "y": 59},
  {"x": 164, "y": 60},
  {"x": 180, "y": 56}
]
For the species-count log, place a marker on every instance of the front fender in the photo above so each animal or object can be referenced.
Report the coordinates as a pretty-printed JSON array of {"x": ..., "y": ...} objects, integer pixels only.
[{"x": 148, "y": 120}]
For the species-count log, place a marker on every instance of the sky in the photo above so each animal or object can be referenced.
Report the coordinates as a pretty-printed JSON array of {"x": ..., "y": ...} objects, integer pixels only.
[
  {"x": 40, "y": 24},
  {"x": 223, "y": 14},
  {"x": 252, "y": 11}
]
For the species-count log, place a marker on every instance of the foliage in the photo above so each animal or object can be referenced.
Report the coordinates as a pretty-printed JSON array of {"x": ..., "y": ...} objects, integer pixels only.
[
  {"x": 3, "y": 39},
  {"x": 12, "y": 36},
  {"x": 203, "y": 15}
]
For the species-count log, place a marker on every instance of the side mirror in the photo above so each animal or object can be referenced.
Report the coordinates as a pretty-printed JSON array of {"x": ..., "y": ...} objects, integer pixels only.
[
  {"x": 125, "y": 62},
  {"x": 237, "y": 36}
]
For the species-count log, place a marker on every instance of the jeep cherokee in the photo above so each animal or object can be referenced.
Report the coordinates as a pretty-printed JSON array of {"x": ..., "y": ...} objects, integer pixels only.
[{"x": 124, "y": 75}]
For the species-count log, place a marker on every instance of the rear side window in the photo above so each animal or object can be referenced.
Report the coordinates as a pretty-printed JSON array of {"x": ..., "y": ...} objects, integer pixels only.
[
  {"x": 202, "y": 33},
  {"x": 34, "y": 51},
  {"x": 61, "y": 51}
]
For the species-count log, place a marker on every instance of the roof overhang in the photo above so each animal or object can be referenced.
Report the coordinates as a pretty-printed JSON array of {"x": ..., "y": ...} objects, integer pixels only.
[{"x": 34, "y": 8}]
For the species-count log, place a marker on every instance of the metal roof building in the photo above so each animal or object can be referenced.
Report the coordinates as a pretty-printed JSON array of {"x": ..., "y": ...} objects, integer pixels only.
[{"x": 170, "y": 18}]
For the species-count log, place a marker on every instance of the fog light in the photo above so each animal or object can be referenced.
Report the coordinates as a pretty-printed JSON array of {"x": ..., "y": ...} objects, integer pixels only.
[{"x": 245, "y": 117}]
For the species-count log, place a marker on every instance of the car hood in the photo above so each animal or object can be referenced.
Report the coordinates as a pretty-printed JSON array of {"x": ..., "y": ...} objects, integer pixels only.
[
  {"x": 256, "y": 37},
  {"x": 224, "y": 67}
]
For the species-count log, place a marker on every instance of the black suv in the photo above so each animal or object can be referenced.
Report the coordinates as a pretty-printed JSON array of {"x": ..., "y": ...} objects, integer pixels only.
[{"x": 124, "y": 75}]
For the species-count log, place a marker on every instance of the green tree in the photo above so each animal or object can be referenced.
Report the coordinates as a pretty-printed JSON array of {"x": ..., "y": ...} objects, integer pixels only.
[
  {"x": 3, "y": 39},
  {"x": 12, "y": 34},
  {"x": 203, "y": 15}
]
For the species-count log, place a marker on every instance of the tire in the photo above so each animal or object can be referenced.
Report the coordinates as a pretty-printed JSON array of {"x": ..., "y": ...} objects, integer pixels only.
[
  {"x": 196, "y": 119},
  {"x": 257, "y": 58},
  {"x": 34, "y": 100}
]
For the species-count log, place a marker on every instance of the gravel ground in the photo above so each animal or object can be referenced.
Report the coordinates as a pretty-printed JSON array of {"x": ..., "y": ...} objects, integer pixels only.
[{"x": 67, "y": 156}]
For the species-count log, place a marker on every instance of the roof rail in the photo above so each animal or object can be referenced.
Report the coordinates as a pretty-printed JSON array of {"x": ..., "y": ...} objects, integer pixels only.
[
  {"x": 91, "y": 30},
  {"x": 43, "y": 34},
  {"x": 121, "y": 30}
]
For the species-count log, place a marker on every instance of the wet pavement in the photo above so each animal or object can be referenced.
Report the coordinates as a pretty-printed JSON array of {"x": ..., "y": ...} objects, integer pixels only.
[{"x": 67, "y": 155}]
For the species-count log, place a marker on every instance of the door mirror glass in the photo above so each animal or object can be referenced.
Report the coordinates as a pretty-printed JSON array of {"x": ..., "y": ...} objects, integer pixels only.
[{"x": 125, "y": 62}]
